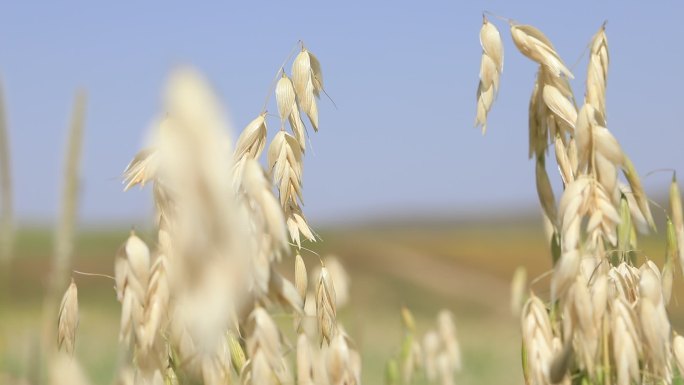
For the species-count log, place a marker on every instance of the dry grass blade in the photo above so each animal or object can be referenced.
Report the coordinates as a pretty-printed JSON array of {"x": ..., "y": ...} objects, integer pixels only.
[
  {"x": 68, "y": 319},
  {"x": 6, "y": 215},
  {"x": 64, "y": 233}
]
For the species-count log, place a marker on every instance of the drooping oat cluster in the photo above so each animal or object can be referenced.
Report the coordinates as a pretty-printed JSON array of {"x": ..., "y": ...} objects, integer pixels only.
[
  {"x": 606, "y": 320},
  {"x": 197, "y": 307},
  {"x": 436, "y": 357},
  {"x": 491, "y": 67}
]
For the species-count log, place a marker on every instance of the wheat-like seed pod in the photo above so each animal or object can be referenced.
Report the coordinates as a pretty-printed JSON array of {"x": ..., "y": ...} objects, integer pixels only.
[
  {"x": 532, "y": 43},
  {"x": 285, "y": 163},
  {"x": 305, "y": 364},
  {"x": 638, "y": 191},
  {"x": 326, "y": 308},
  {"x": 252, "y": 139},
  {"x": 68, "y": 319},
  {"x": 565, "y": 167},
  {"x": 538, "y": 341},
  {"x": 264, "y": 348},
  {"x": 655, "y": 325},
  {"x": 156, "y": 302},
  {"x": 491, "y": 67},
  {"x": 308, "y": 83},
  {"x": 626, "y": 342},
  {"x": 597, "y": 72},
  {"x": 265, "y": 210},
  {"x": 342, "y": 365},
  {"x": 339, "y": 277},
  {"x": 585, "y": 329},
  {"x": 132, "y": 269},
  {"x": 551, "y": 111},
  {"x": 301, "y": 278}
]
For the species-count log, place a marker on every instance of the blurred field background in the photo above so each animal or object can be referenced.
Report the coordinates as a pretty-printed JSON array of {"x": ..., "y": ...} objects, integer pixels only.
[{"x": 464, "y": 266}]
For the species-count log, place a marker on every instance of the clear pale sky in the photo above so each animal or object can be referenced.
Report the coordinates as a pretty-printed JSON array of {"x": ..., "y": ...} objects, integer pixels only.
[{"x": 402, "y": 73}]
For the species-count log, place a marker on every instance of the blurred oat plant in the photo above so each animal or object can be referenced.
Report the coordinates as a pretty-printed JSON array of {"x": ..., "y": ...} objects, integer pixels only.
[
  {"x": 198, "y": 307},
  {"x": 605, "y": 321}
]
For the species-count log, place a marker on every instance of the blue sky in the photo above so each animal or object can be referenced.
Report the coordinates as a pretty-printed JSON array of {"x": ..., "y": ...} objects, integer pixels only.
[{"x": 403, "y": 76}]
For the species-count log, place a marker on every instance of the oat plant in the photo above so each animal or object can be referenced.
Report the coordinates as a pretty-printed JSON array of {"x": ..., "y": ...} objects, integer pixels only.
[
  {"x": 605, "y": 319},
  {"x": 198, "y": 306}
]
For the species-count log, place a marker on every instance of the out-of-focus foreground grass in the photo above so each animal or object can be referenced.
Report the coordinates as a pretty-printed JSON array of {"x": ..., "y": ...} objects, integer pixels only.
[{"x": 465, "y": 267}]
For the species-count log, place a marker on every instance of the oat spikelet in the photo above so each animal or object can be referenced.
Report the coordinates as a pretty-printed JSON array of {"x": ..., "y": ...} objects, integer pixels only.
[
  {"x": 537, "y": 338},
  {"x": 68, "y": 319},
  {"x": 655, "y": 325},
  {"x": 340, "y": 278},
  {"x": 597, "y": 72},
  {"x": 266, "y": 212},
  {"x": 638, "y": 191},
  {"x": 285, "y": 97},
  {"x": 132, "y": 269},
  {"x": 301, "y": 278},
  {"x": 532, "y": 43},
  {"x": 156, "y": 301},
  {"x": 285, "y": 163},
  {"x": 491, "y": 67},
  {"x": 252, "y": 139},
  {"x": 626, "y": 342},
  {"x": 343, "y": 362},
  {"x": 305, "y": 364},
  {"x": 326, "y": 308},
  {"x": 308, "y": 83},
  {"x": 265, "y": 349}
]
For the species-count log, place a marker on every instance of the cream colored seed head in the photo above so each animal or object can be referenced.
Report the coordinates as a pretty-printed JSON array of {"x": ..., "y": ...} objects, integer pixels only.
[
  {"x": 301, "y": 278},
  {"x": 532, "y": 43},
  {"x": 68, "y": 319},
  {"x": 326, "y": 308},
  {"x": 491, "y": 67}
]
